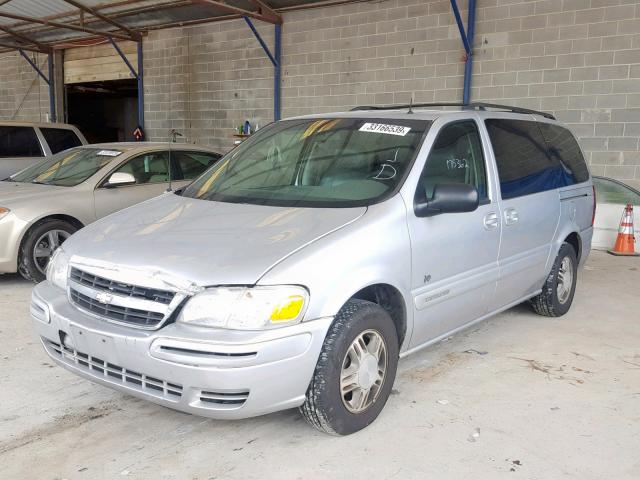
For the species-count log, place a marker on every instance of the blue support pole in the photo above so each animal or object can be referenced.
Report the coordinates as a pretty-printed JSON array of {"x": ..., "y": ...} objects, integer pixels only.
[
  {"x": 468, "y": 64},
  {"x": 277, "y": 84},
  {"x": 260, "y": 40},
  {"x": 124, "y": 57},
  {"x": 140, "y": 78},
  {"x": 52, "y": 90},
  {"x": 138, "y": 74},
  {"x": 49, "y": 81},
  {"x": 33, "y": 65},
  {"x": 463, "y": 35},
  {"x": 467, "y": 41},
  {"x": 275, "y": 60}
]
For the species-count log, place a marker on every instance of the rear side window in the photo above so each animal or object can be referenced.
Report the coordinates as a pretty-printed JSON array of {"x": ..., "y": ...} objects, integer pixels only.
[
  {"x": 524, "y": 163},
  {"x": 563, "y": 147},
  {"x": 193, "y": 164},
  {"x": 60, "y": 139},
  {"x": 19, "y": 142}
]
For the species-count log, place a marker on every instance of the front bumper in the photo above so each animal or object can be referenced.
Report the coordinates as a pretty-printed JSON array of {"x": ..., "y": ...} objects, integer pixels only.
[
  {"x": 11, "y": 231},
  {"x": 222, "y": 374}
]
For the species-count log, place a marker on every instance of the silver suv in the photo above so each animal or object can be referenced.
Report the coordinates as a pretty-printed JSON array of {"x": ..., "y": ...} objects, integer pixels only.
[
  {"x": 23, "y": 144},
  {"x": 298, "y": 269}
]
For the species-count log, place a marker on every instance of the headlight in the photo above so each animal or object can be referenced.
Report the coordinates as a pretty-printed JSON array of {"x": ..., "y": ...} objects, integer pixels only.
[
  {"x": 246, "y": 308},
  {"x": 4, "y": 212},
  {"x": 58, "y": 267}
]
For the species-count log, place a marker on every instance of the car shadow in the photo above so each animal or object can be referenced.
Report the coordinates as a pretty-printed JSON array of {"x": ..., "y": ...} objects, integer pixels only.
[{"x": 11, "y": 279}]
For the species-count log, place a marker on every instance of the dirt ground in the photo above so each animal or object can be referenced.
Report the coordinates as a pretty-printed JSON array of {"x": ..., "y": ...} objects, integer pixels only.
[{"x": 519, "y": 396}]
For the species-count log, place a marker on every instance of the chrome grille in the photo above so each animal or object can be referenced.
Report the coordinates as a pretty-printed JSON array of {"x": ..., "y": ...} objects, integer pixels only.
[
  {"x": 118, "y": 302},
  {"x": 133, "y": 316},
  {"x": 104, "y": 284},
  {"x": 99, "y": 368}
]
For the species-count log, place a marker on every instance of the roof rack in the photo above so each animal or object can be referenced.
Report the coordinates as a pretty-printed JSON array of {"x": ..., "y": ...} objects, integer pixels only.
[{"x": 464, "y": 106}]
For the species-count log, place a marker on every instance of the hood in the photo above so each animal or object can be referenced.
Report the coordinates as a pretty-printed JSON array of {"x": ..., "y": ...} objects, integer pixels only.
[
  {"x": 13, "y": 192},
  {"x": 199, "y": 242}
]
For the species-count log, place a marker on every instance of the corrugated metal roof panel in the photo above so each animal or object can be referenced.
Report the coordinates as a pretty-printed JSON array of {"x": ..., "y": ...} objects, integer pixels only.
[{"x": 135, "y": 14}]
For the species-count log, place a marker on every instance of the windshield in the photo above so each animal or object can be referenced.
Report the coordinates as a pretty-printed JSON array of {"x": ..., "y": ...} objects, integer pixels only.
[
  {"x": 68, "y": 168},
  {"x": 339, "y": 162}
]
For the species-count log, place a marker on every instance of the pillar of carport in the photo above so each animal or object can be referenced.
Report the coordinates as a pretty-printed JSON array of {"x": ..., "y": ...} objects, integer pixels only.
[
  {"x": 276, "y": 60},
  {"x": 467, "y": 41},
  {"x": 138, "y": 74},
  {"x": 49, "y": 80}
]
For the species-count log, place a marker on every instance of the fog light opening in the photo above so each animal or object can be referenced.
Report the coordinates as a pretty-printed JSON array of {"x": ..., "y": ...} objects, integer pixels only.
[{"x": 66, "y": 341}]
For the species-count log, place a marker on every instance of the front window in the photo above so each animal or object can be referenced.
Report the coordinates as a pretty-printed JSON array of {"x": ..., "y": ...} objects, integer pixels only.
[
  {"x": 148, "y": 168},
  {"x": 338, "y": 162},
  {"x": 456, "y": 157},
  {"x": 67, "y": 168}
]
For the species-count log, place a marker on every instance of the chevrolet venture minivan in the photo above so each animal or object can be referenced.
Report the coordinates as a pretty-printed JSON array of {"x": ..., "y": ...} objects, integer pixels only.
[{"x": 297, "y": 270}]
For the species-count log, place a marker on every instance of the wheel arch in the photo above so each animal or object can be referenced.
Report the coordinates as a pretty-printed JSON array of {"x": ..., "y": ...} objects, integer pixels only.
[
  {"x": 56, "y": 216},
  {"x": 390, "y": 299},
  {"x": 568, "y": 234},
  {"x": 575, "y": 241}
]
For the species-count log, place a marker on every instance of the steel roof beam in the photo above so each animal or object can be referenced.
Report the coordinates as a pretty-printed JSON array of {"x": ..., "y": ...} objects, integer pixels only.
[
  {"x": 105, "y": 18},
  {"x": 267, "y": 11},
  {"x": 13, "y": 48},
  {"x": 67, "y": 26},
  {"x": 225, "y": 7},
  {"x": 40, "y": 46}
]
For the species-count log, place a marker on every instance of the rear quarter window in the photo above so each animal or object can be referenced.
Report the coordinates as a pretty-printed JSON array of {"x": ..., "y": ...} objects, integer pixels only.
[
  {"x": 60, "y": 139},
  {"x": 524, "y": 163},
  {"x": 19, "y": 142},
  {"x": 564, "y": 147}
]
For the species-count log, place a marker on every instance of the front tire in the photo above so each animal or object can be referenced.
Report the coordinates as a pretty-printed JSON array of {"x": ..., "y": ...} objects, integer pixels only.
[
  {"x": 355, "y": 371},
  {"x": 38, "y": 246},
  {"x": 558, "y": 290}
]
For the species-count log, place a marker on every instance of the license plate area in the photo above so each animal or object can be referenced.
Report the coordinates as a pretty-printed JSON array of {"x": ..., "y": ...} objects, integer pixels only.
[{"x": 100, "y": 348}]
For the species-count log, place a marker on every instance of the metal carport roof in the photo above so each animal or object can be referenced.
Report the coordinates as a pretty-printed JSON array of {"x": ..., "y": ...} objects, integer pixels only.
[{"x": 42, "y": 25}]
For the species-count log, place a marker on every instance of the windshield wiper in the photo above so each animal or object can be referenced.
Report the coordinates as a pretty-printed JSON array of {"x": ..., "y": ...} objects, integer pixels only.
[{"x": 40, "y": 183}]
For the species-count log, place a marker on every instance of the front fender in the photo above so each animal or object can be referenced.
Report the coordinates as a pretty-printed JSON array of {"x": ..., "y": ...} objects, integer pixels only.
[{"x": 375, "y": 249}]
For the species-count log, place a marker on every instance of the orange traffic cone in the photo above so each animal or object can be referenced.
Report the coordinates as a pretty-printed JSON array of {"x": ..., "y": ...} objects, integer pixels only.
[{"x": 625, "y": 243}]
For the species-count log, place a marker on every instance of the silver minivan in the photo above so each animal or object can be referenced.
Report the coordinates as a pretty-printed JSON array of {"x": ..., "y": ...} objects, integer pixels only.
[{"x": 300, "y": 268}]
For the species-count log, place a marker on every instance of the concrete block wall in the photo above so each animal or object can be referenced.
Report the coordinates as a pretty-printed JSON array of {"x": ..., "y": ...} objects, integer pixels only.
[
  {"x": 23, "y": 94},
  {"x": 204, "y": 81},
  {"x": 579, "y": 59}
]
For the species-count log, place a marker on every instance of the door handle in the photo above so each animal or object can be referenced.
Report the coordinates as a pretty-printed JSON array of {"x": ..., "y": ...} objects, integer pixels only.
[
  {"x": 491, "y": 221},
  {"x": 511, "y": 216}
]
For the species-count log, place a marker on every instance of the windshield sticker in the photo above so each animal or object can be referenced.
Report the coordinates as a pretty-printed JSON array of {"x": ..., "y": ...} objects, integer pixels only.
[
  {"x": 386, "y": 129},
  {"x": 108, "y": 153}
]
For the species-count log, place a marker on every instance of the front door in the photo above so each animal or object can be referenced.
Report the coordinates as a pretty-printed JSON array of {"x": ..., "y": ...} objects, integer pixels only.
[
  {"x": 454, "y": 255},
  {"x": 152, "y": 178}
]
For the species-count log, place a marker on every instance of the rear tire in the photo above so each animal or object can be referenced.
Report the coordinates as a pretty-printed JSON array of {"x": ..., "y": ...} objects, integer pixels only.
[
  {"x": 355, "y": 370},
  {"x": 558, "y": 290},
  {"x": 39, "y": 244}
]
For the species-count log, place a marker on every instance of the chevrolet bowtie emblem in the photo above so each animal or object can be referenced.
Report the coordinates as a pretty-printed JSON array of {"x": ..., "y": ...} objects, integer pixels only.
[{"x": 104, "y": 298}]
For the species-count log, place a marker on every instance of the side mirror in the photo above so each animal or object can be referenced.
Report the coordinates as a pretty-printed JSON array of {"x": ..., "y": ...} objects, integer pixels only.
[
  {"x": 448, "y": 198},
  {"x": 119, "y": 179}
]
